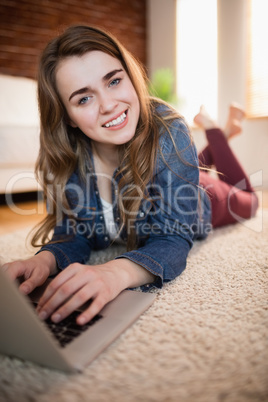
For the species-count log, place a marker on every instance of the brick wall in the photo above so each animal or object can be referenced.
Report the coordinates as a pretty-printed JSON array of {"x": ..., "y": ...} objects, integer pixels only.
[{"x": 27, "y": 25}]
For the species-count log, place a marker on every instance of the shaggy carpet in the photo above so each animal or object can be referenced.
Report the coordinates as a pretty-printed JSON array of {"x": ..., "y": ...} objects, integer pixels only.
[{"x": 205, "y": 338}]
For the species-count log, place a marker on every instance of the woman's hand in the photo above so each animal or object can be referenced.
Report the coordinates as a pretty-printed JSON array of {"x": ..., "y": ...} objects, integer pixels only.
[
  {"x": 33, "y": 271},
  {"x": 79, "y": 283}
]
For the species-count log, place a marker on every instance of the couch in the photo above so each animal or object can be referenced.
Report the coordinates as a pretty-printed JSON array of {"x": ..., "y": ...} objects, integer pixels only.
[{"x": 19, "y": 134}]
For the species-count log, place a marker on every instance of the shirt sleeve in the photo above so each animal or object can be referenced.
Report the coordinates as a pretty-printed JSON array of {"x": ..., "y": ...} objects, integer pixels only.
[
  {"x": 71, "y": 241},
  {"x": 171, "y": 221},
  {"x": 66, "y": 246}
]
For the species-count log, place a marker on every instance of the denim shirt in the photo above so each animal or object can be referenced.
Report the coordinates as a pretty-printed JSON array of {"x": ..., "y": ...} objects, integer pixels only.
[{"x": 166, "y": 228}]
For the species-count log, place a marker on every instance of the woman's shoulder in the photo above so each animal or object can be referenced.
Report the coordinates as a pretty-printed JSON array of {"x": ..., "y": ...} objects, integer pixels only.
[
  {"x": 176, "y": 146},
  {"x": 173, "y": 129}
]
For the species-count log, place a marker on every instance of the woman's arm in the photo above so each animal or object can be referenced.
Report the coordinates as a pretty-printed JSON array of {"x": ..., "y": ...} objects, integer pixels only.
[{"x": 166, "y": 231}]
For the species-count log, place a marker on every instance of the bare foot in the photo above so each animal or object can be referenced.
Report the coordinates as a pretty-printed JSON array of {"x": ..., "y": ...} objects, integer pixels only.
[
  {"x": 233, "y": 125},
  {"x": 203, "y": 119}
]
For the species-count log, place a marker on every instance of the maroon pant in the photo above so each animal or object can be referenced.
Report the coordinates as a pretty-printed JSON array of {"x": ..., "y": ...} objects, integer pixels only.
[{"x": 232, "y": 197}]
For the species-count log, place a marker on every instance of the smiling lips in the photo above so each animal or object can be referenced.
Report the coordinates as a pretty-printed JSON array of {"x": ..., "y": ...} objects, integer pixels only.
[{"x": 117, "y": 122}]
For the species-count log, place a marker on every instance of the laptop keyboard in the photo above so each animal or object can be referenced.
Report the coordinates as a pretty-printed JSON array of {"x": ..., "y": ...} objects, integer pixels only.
[{"x": 67, "y": 330}]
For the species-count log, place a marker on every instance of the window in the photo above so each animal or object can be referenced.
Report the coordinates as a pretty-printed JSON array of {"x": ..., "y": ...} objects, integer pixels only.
[
  {"x": 257, "y": 63},
  {"x": 197, "y": 78}
]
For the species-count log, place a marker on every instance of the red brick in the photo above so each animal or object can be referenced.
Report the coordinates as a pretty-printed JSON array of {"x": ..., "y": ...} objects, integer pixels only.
[{"x": 27, "y": 25}]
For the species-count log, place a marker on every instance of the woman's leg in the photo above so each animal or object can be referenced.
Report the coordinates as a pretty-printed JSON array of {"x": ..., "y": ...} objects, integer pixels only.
[
  {"x": 229, "y": 204},
  {"x": 232, "y": 128},
  {"x": 232, "y": 197},
  {"x": 205, "y": 158},
  {"x": 226, "y": 163}
]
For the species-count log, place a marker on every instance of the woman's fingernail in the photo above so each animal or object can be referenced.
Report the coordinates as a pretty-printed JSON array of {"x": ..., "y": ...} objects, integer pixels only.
[
  {"x": 56, "y": 317},
  {"x": 25, "y": 289},
  {"x": 81, "y": 320},
  {"x": 42, "y": 315}
]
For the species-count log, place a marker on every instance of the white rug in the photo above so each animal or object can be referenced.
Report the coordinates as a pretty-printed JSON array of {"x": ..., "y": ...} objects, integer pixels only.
[{"x": 205, "y": 339}]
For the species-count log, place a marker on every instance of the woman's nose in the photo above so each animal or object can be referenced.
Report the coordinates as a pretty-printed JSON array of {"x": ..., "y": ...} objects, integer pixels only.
[{"x": 107, "y": 103}]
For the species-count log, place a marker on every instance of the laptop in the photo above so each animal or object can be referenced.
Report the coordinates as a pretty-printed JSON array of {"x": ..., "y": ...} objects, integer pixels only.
[{"x": 25, "y": 336}]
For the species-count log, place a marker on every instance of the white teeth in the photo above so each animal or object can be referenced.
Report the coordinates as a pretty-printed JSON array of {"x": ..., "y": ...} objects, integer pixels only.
[{"x": 117, "y": 121}]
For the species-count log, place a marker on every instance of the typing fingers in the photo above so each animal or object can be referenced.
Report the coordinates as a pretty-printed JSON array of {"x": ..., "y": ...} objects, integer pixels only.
[
  {"x": 98, "y": 301},
  {"x": 83, "y": 295},
  {"x": 95, "y": 307},
  {"x": 58, "y": 297},
  {"x": 72, "y": 289}
]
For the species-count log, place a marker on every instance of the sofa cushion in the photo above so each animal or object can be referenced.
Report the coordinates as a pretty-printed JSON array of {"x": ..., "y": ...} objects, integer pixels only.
[{"x": 18, "y": 101}]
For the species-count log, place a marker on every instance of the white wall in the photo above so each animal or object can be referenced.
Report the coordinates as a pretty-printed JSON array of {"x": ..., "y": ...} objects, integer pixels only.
[{"x": 250, "y": 147}]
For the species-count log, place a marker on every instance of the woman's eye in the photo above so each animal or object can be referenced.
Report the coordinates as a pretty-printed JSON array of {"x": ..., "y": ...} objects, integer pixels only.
[
  {"x": 115, "y": 82},
  {"x": 83, "y": 100}
]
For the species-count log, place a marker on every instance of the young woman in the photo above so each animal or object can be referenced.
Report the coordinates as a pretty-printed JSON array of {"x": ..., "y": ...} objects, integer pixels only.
[{"x": 116, "y": 166}]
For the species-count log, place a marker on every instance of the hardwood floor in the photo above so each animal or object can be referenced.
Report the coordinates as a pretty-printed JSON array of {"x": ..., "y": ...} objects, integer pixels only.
[
  {"x": 21, "y": 215},
  {"x": 28, "y": 214}
]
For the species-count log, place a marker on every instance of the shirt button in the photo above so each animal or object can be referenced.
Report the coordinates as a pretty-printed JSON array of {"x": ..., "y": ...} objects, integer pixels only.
[
  {"x": 118, "y": 219},
  {"x": 142, "y": 214},
  {"x": 106, "y": 238},
  {"x": 96, "y": 192},
  {"x": 101, "y": 217}
]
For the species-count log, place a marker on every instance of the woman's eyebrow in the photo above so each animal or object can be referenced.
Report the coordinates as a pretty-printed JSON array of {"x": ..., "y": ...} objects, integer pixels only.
[
  {"x": 107, "y": 77},
  {"x": 111, "y": 74},
  {"x": 79, "y": 92}
]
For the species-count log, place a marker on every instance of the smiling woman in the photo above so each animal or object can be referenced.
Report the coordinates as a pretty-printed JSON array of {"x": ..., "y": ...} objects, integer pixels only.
[
  {"x": 117, "y": 165},
  {"x": 99, "y": 97}
]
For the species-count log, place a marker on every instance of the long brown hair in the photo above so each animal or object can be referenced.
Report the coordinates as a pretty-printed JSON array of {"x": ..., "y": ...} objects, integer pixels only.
[{"x": 62, "y": 148}]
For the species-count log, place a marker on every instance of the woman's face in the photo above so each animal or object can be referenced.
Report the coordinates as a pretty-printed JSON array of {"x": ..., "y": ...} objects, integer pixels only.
[{"x": 99, "y": 97}]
